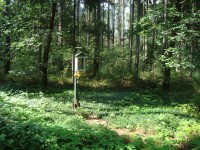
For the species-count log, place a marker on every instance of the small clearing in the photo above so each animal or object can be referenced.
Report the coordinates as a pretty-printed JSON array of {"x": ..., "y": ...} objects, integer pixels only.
[{"x": 120, "y": 132}]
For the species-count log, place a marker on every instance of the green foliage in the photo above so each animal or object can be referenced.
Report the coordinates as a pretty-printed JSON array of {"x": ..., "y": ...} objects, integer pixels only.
[
  {"x": 44, "y": 119},
  {"x": 32, "y": 120},
  {"x": 177, "y": 32},
  {"x": 38, "y": 118},
  {"x": 196, "y": 101},
  {"x": 27, "y": 25}
]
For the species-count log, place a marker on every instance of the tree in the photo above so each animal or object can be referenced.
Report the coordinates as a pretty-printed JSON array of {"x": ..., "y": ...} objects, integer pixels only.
[
  {"x": 131, "y": 34},
  {"x": 74, "y": 39},
  {"x": 113, "y": 24},
  {"x": 48, "y": 45},
  {"x": 137, "y": 51},
  {"x": 7, "y": 56},
  {"x": 108, "y": 26},
  {"x": 119, "y": 21},
  {"x": 96, "y": 60},
  {"x": 165, "y": 33},
  {"x": 95, "y": 7}
]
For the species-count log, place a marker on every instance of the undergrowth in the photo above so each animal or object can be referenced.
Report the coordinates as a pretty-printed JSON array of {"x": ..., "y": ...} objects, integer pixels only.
[{"x": 37, "y": 118}]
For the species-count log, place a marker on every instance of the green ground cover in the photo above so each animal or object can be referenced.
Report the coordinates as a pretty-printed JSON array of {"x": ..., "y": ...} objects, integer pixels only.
[{"x": 33, "y": 118}]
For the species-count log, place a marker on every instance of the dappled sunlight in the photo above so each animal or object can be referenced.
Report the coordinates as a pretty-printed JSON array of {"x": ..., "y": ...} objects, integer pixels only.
[
  {"x": 109, "y": 119},
  {"x": 99, "y": 75}
]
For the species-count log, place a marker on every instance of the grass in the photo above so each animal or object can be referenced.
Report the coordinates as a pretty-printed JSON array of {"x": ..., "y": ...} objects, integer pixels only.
[{"x": 37, "y": 118}]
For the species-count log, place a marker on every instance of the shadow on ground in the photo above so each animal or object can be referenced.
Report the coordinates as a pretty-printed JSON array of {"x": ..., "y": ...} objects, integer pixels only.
[{"x": 141, "y": 98}]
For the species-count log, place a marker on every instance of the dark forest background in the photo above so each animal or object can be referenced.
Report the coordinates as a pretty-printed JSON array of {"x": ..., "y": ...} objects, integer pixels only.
[{"x": 127, "y": 42}]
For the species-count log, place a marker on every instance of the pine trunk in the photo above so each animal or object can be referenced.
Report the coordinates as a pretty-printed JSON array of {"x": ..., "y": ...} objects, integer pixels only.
[
  {"x": 7, "y": 62},
  {"x": 131, "y": 34},
  {"x": 96, "y": 62},
  {"x": 167, "y": 70},
  {"x": 113, "y": 28},
  {"x": 48, "y": 46},
  {"x": 108, "y": 27},
  {"x": 137, "y": 52}
]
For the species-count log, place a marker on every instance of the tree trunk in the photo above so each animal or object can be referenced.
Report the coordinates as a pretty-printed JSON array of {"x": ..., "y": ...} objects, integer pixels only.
[
  {"x": 89, "y": 24},
  {"x": 108, "y": 27},
  {"x": 7, "y": 55},
  {"x": 131, "y": 34},
  {"x": 144, "y": 38},
  {"x": 151, "y": 52},
  {"x": 119, "y": 20},
  {"x": 172, "y": 44},
  {"x": 59, "y": 23},
  {"x": 96, "y": 62},
  {"x": 113, "y": 28},
  {"x": 102, "y": 35},
  {"x": 39, "y": 63},
  {"x": 153, "y": 47},
  {"x": 74, "y": 40},
  {"x": 167, "y": 70},
  {"x": 137, "y": 52},
  {"x": 123, "y": 24},
  {"x": 60, "y": 5},
  {"x": 192, "y": 48},
  {"x": 48, "y": 46},
  {"x": 39, "y": 66},
  {"x": 78, "y": 22},
  {"x": 7, "y": 62}
]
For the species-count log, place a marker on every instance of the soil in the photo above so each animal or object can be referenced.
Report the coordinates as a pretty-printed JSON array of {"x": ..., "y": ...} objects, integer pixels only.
[{"x": 120, "y": 132}]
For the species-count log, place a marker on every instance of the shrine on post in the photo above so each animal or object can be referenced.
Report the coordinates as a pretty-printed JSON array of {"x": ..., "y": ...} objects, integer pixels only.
[
  {"x": 80, "y": 62},
  {"x": 78, "y": 67}
]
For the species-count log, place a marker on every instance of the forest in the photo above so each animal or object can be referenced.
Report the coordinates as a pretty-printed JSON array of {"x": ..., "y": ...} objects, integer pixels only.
[{"x": 140, "y": 87}]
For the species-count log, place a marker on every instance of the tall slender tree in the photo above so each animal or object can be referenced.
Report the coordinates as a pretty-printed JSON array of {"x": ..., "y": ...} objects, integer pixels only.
[
  {"x": 137, "y": 51},
  {"x": 108, "y": 26},
  {"x": 123, "y": 24},
  {"x": 102, "y": 25},
  {"x": 132, "y": 8},
  {"x": 151, "y": 51},
  {"x": 167, "y": 70},
  {"x": 48, "y": 45},
  {"x": 119, "y": 21},
  {"x": 113, "y": 24},
  {"x": 74, "y": 39},
  {"x": 96, "y": 60},
  {"x": 7, "y": 58}
]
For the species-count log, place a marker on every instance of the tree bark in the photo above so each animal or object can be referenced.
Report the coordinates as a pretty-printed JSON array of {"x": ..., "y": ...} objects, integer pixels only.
[
  {"x": 78, "y": 21},
  {"x": 154, "y": 48},
  {"x": 39, "y": 63},
  {"x": 60, "y": 5},
  {"x": 113, "y": 28},
  {"x": 123, "y": 24},
  {"x": 102, "y": 35},
  {"x": 131, "y": 34},
  {"x": 7, "y": 58},
  {"x": 89, "y": 24},
  {"x": 144, "y": 37},
  {"x": 151, "y": 52},
  {"x": 108, "y": 26},
  {"x": 96, "y": 61},
  {"x": 192, "y": 48},
  {"x": 119, "y": 20},
  {"x": 137, "y": 52},
  {"x": 167, "y": 70},
  {"x": 48, "y": 46},
  {"x": 74, "y": 40}
]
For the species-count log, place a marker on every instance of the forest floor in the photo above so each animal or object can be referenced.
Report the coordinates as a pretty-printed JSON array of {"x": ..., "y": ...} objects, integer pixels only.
[
  {"x": 120, "y": 132},
  {"x": 107, "y": 119}
]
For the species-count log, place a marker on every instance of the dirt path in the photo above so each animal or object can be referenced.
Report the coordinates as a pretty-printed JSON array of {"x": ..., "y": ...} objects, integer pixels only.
[{"x": 120, "y": 132}]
